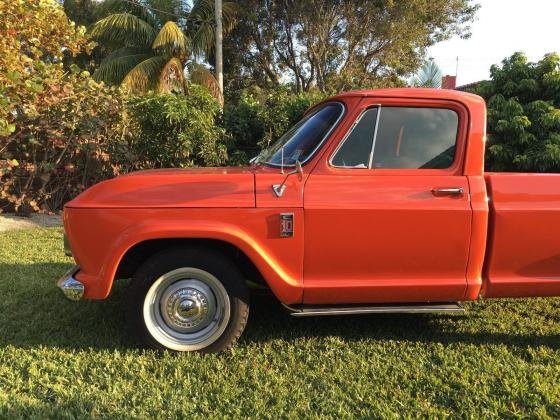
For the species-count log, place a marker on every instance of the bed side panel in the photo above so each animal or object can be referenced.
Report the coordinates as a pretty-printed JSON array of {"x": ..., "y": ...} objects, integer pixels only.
[{"x": 523, "y": 257}]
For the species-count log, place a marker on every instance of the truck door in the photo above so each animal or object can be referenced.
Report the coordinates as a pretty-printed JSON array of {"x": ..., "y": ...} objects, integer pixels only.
[{"x": 387, "y": 212}]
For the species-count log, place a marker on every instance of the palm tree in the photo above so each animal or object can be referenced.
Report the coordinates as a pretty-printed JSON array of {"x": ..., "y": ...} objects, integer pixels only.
[
  {"x": 151, "y": 43},
  {"x": 428, "y": 76}
]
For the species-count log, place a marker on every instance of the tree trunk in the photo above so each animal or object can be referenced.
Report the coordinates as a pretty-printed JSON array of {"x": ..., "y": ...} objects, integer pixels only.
[{"x": 219, "y": 39}]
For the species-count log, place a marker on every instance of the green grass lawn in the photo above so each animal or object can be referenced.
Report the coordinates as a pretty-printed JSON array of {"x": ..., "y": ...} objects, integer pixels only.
[{"x": 74, "y": 359}]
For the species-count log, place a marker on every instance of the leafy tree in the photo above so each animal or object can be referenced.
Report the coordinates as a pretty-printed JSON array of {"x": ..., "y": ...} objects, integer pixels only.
[
  {"x": 523, "y": 114},
  {"x": 429, "y": 76},
  {"x": 338, "y": 44},
  {"x": 151, "y": 43}
]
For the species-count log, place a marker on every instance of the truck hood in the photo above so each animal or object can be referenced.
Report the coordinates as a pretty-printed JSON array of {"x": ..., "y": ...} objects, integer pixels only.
[{"x": 192, "y": 187}]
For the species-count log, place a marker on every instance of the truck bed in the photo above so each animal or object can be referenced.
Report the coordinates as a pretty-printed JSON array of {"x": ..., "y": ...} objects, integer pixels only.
[{"x": 523, "y": 249}]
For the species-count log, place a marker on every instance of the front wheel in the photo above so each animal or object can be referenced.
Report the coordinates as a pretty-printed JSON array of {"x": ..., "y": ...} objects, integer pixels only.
[{"x": 188, "y": 299}]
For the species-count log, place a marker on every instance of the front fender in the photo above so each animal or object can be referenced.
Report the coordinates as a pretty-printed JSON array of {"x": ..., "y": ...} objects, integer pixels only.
[{"x": 256, "y": 232}]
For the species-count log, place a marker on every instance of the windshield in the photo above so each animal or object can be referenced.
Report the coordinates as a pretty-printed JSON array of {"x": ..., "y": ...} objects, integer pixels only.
[{"x": 304, "y": 138}]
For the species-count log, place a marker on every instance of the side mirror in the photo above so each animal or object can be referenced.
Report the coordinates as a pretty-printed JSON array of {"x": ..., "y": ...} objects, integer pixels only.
[{"x": 280, "y": 188}]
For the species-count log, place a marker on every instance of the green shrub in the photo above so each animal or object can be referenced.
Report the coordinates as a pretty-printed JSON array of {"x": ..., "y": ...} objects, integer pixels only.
[
  {"x": 60, "y": 150},
  {"x": 523, "y": 115},
  {"x": 244, "y": 127},
  {"x": 167, "y": 130},
  {"x": 255, "y": 122},
  {"x": 281, "y": 110},
  {"x": 54, "y": 121}
]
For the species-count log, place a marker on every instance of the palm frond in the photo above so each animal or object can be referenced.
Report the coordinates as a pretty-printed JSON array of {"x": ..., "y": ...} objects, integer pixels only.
[
  {"x": 119, "y": 63},
  {"x": 203, "y": 10},
  {"x": 204, "y": 77},
  {"x": 203, "y": 38},
  {"x": 123, "y": 29},
  {"x": 172, "y": 40},
  {"x": 201, "y": 23},
  {"x": 145, "y": 75},
  {"x": 230, "y": 11},
  {"x": 428, "y": 76},
  {"x": 136, "y": 8},
  {"x": 172, "y": 78}
]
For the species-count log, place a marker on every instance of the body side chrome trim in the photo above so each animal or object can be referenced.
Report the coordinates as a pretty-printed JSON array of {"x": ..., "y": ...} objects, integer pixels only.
[{"x": 303, "y": 311}]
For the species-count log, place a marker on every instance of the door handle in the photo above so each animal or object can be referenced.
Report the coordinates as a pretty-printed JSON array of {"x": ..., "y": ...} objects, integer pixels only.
[{"x": 448, "y": 191}]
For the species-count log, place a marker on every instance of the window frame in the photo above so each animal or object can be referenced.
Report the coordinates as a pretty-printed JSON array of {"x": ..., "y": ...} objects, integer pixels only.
[
  {"x": 350, "y": 130},
  {"x": 460, "y": 139}
]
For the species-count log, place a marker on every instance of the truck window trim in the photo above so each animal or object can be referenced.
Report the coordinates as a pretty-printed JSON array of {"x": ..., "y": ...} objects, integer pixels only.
[
  {"x": 374, "y": 141},
  {"x": 450, "y": 168},
  {"x": 347, "y": 135}
]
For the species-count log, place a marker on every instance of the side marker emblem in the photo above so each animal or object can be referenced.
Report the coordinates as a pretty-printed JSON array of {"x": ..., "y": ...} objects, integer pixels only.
[{"x": 286, "y": 225}]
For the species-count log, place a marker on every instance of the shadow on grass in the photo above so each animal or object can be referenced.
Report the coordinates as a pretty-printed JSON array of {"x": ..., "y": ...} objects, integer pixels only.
[
  {"x": 33, "y": 312},
  {"x": 268, "y": 321}
]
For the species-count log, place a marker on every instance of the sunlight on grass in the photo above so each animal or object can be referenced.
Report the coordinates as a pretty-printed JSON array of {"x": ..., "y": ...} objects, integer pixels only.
[{"x": 61, "y": 358}]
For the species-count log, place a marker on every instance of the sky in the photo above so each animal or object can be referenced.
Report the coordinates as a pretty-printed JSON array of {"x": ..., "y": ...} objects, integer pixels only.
[{"x": 501, "y": 28}]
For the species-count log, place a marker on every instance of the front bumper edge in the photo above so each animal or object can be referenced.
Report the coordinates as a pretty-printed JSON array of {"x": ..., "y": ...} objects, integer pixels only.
[{"x": 72, "y": 288}]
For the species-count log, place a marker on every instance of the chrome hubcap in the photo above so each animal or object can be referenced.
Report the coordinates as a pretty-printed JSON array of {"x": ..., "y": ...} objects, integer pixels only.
[
  {"x": 186, "y": 309},
  {"x": 188, "y": 305}
]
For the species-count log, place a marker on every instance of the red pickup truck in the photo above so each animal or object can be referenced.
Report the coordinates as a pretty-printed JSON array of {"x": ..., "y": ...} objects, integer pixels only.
[{"x": 376, "y": 201}]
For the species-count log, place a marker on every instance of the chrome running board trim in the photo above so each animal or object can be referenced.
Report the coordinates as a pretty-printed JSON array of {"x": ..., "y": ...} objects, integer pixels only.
[{"x": 304, "y": 310}]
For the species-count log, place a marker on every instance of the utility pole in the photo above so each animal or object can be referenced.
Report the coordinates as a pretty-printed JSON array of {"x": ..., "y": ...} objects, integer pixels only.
[{"x": 219, "y": 39}]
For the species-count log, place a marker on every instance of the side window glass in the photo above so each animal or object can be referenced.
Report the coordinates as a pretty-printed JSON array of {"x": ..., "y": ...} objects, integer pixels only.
[
  {"x": 415, "y": 138},
  {"x": 356, "y": 148}
]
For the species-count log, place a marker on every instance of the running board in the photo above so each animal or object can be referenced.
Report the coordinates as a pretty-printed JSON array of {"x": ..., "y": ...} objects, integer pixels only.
[{"x": 304, "y": 310}]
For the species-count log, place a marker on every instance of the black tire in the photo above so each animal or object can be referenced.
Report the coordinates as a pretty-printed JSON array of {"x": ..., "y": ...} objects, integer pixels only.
[{"x": 147, "y": 321}]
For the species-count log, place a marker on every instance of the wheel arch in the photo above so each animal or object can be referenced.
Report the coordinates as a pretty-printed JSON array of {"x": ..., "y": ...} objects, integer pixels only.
[
  {"x": 139, "y": 252},
  {"x": 255, "y": 257}
]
